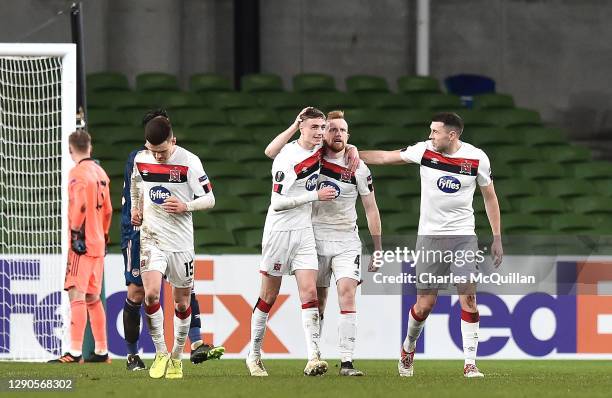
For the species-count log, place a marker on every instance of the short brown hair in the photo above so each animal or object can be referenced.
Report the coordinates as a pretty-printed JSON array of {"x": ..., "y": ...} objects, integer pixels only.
[
  {"x": 80, "y": 140},
  {"x": 158, "y": 130},
  {"x": 450, "y": 119},
  {"x": 312, "y": 113},
  {"x": 337, "y": 114}
]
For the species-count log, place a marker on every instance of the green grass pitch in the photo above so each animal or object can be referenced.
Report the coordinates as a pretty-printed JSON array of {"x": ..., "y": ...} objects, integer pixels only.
[{"x": 228, "y": 378}]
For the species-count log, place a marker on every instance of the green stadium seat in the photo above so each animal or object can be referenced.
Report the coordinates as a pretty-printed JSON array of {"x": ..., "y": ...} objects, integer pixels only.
[
  {"x": 114, "y": 168},
  {"x": 250, "y": 238},
  {"x": 366, "y": 84},
  {"x": 179, "y": 100},
  {"x": 513, "y": 117},
  {"x": 209, "y": 83},
  {"x": 539, "y": 205},
  {"x": 213, "y": 238},
  {"x": 249, "y": 189},
  {"x": 493, "y": 101},
  {"x": 567, "y": 155},
  {"x": 489, "y": 137},
  {"x": 542, "y": 136},
  {"x": 418, "y": 84},
  {"x": 516, "y": 223},
  {"x": 262, "y": 135},
  {"x": 542, "y": 171},
  {"x": 199, "y": 117},
  {"x": 404, "y": 190},
  {"x": 505, "y": 205},
  {"x": 475, "y": 118},
  {"x": 261, "y": 82},
  {"x": 567, "y": 188},
  {"x": 387, "y": 101},
  {"x": 605, "y": 187},
  {"x": 261, "y": 171},
  {"x": 502, "y": 171},
  {"x": 335, "y": 101},
  {"x": 571, "y": 223},
  {"x": 231, "y": 100},
  {"x": 596, "y": 170},
  {"x": 204, "y": 220},
  {"x": 283, "y": 101},
  {"x": 260, "y": 204},
  {"x": 438, "y": 101},
  {"x": 517, "y": 188},
  {"x": 412, "y": 117},
  {"x": 248, "y": 154},
  {"x": 313, "y": 82},
  {"x": 361, "y": 117},
  {"x": 106, "y": 99},
  {"x": 111, "y": 135},
  {"x": 156, "y": 81},
  {"x": 133, "y": 117},
  {"x": 254, "y": 117},
  {"x": 242, "y": 221},
  {"x": 103, "y": 118},
  {"x": 592, "y": 205},
  {"x": 107, "y": 81},
  {"x": 389, "y": 205},
  {"x": 516, "y": 155},
  {"x": 388, "y": 137},
  {"x": 229, "y": 204},
  {"x": 225, "y": 170},
  {"x": 205, "y": 152},
  {"x": 105, "y": 151},
  {"x": 217, "y": 136},
  {"x": 398, "y": 174},
  {"x": 407, "y": 224}
]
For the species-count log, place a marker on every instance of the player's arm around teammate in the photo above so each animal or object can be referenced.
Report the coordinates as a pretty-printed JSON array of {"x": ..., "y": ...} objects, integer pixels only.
[{"x": 275, "y": 146}]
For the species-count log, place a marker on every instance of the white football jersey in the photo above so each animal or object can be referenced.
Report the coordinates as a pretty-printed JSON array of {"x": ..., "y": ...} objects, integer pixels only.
[
  {"x": 181, "y": 176},
  {"x": 336, "y": 220},
  {"x": 447, "y": 186},
  {"x": 294, "y": 172}
]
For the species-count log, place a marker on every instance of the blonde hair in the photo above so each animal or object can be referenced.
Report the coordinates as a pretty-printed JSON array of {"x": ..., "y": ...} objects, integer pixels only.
[{"x": 335, "y": 115}]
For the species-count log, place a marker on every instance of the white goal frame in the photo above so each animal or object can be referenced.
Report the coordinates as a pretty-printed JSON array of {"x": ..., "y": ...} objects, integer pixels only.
[{"x": 68, "y": 54}]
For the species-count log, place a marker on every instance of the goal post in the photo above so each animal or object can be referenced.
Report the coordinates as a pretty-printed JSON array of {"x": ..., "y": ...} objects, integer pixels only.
[{"x": 37, "y": 114}]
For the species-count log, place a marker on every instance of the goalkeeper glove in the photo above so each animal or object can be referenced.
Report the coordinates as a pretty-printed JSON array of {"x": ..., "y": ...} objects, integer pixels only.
[{"x": 77, "y": 242}]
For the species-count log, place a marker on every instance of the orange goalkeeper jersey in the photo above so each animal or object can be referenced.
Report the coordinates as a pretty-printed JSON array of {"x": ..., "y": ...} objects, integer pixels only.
[{"x": 89, "y": 204}]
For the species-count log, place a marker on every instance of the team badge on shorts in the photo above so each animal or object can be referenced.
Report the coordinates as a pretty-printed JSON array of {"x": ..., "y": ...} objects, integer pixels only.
[
  {"x": 135, "y": 272},
  {"x": 277, "y": 266}
]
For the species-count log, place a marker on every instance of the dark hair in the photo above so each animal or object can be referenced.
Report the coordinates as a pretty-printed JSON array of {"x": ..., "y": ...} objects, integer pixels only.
[
  {"x": 158, "y": 130},
  {"x": 312, "y": 113},
  {"x": 80, "y": 140},
  {"x": 449, "y": 119},
  {"x": 153, "y": 114}
]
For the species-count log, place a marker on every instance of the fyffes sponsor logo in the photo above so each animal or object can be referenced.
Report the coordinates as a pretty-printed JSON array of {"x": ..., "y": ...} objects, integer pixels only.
[
  {"x": 448, "y": 184},
  {"x": 311, "y": 183},
  {"x": 324, "y": 184},
  {"x": 159, "y": 194}
]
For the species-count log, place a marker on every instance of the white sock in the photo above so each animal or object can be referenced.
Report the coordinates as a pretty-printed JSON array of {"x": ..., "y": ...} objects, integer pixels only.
[
  {"x": 415, "y": 327},
  {"x": 347, "y": 332},
  {"x": 469, "y": 332},
  {"x": 310, "y": 322},
  {"x": 181, "y": 329},
  {"x": 258, "y": 328},
  {"x": 155, "y": 322}
]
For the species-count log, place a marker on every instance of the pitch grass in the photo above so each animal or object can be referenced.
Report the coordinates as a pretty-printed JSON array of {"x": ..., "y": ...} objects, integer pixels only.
[{"x": 228, "y": 378}]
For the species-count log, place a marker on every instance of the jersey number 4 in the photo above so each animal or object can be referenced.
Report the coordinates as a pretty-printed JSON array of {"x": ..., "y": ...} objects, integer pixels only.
[{"x": 189, "y": 269}]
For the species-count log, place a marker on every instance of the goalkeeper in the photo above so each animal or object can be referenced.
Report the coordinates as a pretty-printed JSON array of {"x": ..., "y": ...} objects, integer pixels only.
[
  {"x": 89, "y": 218},
  {"x": 130, "y": 246}
]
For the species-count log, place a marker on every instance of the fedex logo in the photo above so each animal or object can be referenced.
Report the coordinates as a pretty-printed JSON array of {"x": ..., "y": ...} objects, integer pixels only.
[
  {"x": 239, "y": 308},
  {"x": 577, "y": 311},
  {"x": 44, "y": 310}
]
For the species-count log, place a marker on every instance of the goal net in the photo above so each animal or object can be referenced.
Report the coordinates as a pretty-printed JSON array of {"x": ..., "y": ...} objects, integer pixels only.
[{"x": 37, "y": 113}]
